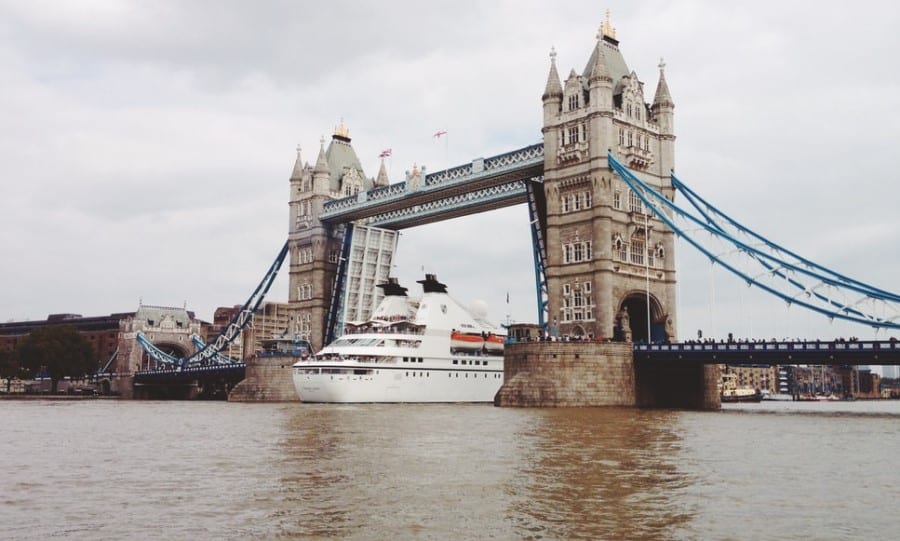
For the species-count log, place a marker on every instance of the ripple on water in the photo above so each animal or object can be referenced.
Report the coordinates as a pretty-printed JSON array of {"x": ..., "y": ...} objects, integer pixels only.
[{"x": 165, "y": 470}]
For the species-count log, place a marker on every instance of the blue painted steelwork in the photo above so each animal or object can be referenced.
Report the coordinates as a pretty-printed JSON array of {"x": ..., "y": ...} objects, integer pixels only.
[
  {"x": 109, "y": 362},
  {"x": 710, "y": 212},
  {"x": 808, "y": 285},
  {"x": 451, "y": 206},
  {"x": 456, "y": 177},
  {"x": 335, "y": 309},
  {"x": 837, "y": 352},
  {"x": 219, "y": 358},
  {"x": 159, "y": 356},
  {"x": 210, "y": 354},
  {"x": 537, "y": 212}
]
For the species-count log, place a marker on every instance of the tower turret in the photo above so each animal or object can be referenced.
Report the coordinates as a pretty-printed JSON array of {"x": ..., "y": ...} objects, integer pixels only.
[
  {"x": 297, "y": 173},
  {"x": 300, "y": 185},
  {"x": 663, "y": 111},
  {"x": 553, "y": 92},
  {"x": 382, "y": 178},
  {"x": 663, "y": 107},
  {"x": 552, "y": 98},
  {"x": 600, "y": 82},
  {"x": 321, "y": 173}
]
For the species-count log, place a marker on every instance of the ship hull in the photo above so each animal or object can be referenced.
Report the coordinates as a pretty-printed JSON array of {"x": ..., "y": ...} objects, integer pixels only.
[{"x": 351, "y": 382}]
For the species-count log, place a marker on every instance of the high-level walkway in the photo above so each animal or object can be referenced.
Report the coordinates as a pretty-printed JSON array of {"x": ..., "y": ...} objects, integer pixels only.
[{"x": 482, "y": 185}]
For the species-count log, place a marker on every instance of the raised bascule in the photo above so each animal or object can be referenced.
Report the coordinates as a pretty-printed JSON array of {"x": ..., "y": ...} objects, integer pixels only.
[{"x": 601, "y": 194}]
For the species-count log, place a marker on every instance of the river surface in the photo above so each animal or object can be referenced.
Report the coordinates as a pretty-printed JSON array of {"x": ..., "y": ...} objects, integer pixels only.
[{"x": 109, "y": 469}]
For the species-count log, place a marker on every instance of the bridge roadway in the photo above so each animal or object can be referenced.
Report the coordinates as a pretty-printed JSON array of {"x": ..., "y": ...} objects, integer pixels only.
[
  {"x": 204, "y": 382},
  {"x": 838, "y": 352},
  {"x": 482, "y": 185}
]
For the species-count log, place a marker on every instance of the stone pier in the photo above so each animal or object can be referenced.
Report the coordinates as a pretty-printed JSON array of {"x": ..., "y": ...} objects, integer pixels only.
[
  {"x": 576, "y": 374},
  {"x": 267, "y": 379}
]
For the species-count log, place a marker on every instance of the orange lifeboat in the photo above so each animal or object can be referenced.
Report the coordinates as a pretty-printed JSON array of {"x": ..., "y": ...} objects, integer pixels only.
[
  {"x": 494, "y": 343},
  {"x": 466, "y": 341}
]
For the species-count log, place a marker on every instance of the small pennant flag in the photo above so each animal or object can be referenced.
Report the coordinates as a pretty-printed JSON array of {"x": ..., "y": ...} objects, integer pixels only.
[
  {"x": 438, "y": 134},
  {"x": 385, "y": 153}
]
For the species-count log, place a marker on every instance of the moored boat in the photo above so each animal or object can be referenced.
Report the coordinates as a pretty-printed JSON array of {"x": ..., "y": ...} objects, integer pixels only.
[
  {"x": 731, "y": 392},
  {"x": 780, "y": 397}
]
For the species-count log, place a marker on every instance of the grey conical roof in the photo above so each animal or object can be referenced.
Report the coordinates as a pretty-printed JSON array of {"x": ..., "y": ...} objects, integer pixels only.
[
  {"x": 662, "y": 96},
  {"x": 599, "y": 71},
  {"x": 322, "y": 160},
  {"x": 613, "y": 61},
  {"x": 553, "y": 88},
  {"x": 341, "y": 158},
  {"x": 382, "y": 179},
  {"x": 298, "y": 166}
]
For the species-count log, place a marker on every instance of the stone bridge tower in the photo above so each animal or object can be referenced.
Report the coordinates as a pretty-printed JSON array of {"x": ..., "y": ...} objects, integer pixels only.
[
  {"x": 315, "y": 247},
  {"x": 607, "y": 258}
]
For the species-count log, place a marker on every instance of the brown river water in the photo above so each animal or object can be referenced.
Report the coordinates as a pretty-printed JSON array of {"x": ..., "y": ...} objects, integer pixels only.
[{"x": 107, "y": 469}]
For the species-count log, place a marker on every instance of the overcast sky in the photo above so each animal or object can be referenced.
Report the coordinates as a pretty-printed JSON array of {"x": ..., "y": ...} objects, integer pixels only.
[{"x": 146, "y": 146}]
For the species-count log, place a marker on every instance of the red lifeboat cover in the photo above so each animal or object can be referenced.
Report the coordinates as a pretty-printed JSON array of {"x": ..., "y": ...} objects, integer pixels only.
[{"x": 461, "y": 340}]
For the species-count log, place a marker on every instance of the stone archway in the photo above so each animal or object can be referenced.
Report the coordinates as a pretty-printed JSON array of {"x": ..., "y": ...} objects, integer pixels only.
[{"x": 631, "y": 319}]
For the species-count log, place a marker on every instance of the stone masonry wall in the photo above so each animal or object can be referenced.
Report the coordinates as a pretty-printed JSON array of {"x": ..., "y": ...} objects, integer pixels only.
[
  {"x": 267, "y": 379},
  {"x": 560, "y": 374}
]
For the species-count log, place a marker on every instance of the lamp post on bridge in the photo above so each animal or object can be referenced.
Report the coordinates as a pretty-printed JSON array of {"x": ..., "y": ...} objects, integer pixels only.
[{"x": 647, "y": 266}]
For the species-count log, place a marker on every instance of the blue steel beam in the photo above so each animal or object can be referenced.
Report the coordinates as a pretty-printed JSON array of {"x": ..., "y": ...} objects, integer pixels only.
[
  {"x": 240, "y": 321},
  {"x": 218, "y": 359},
  {"x": 803, "y": 282},
  {"x": 446, "y": 188},
  {"x": 494, "y": 197},
  {"x": 334, "y": 321},
  {"x": 537, "y": 214}
]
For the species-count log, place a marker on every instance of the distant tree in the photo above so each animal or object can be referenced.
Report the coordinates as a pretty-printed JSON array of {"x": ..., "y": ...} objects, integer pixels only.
[
  {"x": 9, "y": 367},
  {"x": 57, "y": 351}
]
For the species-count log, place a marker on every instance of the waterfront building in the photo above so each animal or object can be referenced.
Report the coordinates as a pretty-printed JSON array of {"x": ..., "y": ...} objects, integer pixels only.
[
  {"x": 113, "y": 336},
  {"x": 103, "y": 332},
  {"x": 755, "y": 376}
]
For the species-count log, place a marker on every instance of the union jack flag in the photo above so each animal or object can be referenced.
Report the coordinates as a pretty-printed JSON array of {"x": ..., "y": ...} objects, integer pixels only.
[{"x": 385, "y": 153}]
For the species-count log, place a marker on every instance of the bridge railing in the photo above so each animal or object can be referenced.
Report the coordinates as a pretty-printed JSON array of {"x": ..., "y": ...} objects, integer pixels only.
[
  {"x": 449, "y": 177},
  {"x": 189, "y": 370},
  {"x": 739, "y": 347}
]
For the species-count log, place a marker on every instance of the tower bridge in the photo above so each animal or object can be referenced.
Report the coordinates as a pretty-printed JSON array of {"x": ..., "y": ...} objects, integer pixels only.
[{"x": 603, "y": 218}]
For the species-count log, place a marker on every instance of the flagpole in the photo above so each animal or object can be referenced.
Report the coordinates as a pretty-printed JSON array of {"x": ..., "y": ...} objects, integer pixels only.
[
  {"x": 443, "y": 133},
  {"x": 388, "y": 153},
  {"x": 507, "y": 310}
]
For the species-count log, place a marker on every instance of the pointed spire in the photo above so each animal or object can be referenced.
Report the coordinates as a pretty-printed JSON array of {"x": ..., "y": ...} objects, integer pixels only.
[
  {"x": 298, "y": 166},
  {"x": 321, "y": 162},
  {"x": 599, "y": 71},
  {"x": 662, "y": 96},
  {"x": 382, "y": 178},
  {"x": 607, "y": 29},
  {"x": 554, "y": 88}
]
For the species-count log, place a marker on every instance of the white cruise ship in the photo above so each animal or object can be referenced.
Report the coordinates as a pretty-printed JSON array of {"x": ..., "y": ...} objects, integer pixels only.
[{"x": 411, "y": 350}]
